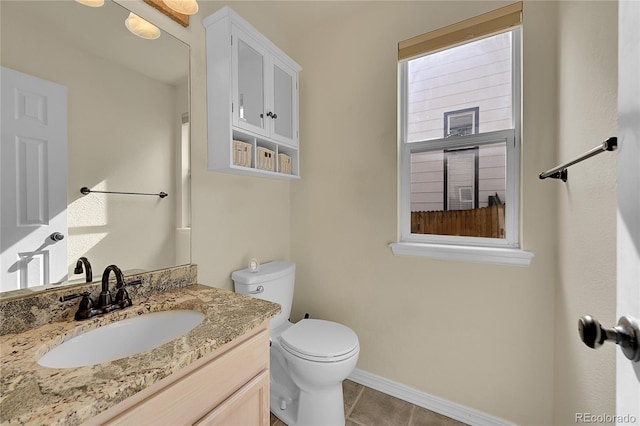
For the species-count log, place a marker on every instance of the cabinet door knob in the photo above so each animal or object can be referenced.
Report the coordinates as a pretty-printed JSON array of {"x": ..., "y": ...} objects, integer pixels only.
[
  {"x": 275, "y": 116},
  {"x": 270, "y": 114}
]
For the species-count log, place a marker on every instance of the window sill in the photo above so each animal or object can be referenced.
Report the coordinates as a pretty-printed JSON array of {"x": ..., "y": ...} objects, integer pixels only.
[{"x": 495, "y": 255}]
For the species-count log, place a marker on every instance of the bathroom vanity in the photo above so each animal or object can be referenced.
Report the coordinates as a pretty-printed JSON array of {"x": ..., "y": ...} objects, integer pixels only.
[
  {"x": 217, "y": 373},
  {"x": 228, "y": 386}
]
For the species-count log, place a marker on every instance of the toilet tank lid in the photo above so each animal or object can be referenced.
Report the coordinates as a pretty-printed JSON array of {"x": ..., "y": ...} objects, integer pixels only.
[{"x": 266, "y": 272}]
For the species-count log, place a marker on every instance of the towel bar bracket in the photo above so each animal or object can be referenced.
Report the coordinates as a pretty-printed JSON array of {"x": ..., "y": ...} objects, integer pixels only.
[{"x": 561, "y": 174}]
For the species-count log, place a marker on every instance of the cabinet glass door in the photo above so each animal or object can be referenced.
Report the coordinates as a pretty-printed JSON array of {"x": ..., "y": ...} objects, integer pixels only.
[
  {"x": 251, "y": 91},
  {"x": 284, "y": 86}
]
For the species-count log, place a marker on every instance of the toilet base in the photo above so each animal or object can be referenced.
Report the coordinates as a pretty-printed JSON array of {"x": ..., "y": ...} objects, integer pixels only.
[
  {"x": 283, "y": 405},
  {"x": 296, "y": 407},
  {"x": 320, "y": 408}
]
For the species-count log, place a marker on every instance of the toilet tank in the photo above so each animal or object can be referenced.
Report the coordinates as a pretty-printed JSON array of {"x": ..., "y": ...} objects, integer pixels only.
[{"x": 272, "y": 281}]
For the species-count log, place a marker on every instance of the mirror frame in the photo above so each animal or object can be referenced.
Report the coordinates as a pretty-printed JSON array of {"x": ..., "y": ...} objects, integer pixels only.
[{"x": 180, "y": 18}]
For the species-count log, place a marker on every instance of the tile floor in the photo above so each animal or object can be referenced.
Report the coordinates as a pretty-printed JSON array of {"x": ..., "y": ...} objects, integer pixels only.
[{"x": 364, "y": 406}]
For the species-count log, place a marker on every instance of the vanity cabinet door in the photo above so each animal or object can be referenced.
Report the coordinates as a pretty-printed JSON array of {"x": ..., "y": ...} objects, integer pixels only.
[
  {"x": 249, "y": 61},
  {"x": 248, "y": 406}
]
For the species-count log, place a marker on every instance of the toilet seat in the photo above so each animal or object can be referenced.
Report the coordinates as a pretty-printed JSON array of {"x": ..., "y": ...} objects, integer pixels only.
[{"x": 320, "y": 341}]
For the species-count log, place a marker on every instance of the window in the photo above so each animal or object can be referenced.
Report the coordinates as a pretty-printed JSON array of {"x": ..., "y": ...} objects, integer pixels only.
[
  {"x": 460, "y": 179},
  {"x": 459, "y": 144},
  {"x": 462, "y": 122}
]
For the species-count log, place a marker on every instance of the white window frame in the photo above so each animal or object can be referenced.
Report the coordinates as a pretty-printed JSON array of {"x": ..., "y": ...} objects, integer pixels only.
[
  {"x": 472, "y": 112},
  {"x": 476, "y": 249}
]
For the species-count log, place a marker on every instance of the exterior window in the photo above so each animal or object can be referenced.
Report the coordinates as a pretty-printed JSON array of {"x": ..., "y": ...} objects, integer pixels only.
[
  {"x": 459, "y": 176},
  {"x": 461, "y": 179},
  {"x": 460, "y": 123}
]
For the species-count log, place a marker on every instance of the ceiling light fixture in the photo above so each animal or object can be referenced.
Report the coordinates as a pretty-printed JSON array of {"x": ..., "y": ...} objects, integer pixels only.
[
  {"x": 141, "y": 28},
  {"x": 92, "y": 3},
  {"x": 186, "y": 7}
]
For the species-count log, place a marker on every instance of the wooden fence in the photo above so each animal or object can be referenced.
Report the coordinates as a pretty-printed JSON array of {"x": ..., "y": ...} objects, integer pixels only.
[{"x": 482, "y": 222}]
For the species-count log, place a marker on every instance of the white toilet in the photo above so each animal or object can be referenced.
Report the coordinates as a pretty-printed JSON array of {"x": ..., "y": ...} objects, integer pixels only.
[{"x": 309, "y": 359}]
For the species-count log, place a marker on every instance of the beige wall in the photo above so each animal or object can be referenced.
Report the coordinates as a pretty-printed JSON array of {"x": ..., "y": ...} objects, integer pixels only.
[
  {"x": 586, "y": 274},
  {"x": 234, "y": 218},
  {"x": 479, "y": 335}
]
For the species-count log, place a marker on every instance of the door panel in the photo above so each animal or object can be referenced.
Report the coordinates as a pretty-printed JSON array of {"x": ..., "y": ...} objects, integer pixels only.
[
  {"x": 32, "y": 190},
  {"x": 249, "y": 63},
  {"x": 628, "y": 253},
  {"x": 284, "y": 103},
  {"x": 33, "y": 160}
]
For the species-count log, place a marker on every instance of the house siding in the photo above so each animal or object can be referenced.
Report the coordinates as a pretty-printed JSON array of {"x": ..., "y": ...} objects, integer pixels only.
[{"x": 472, "y": 76}]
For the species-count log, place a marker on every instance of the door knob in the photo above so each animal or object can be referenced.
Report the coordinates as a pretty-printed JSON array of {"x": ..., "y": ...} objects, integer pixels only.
[
  {"x": 625, "y": 334},
  {"x": 56, "y": 236}
]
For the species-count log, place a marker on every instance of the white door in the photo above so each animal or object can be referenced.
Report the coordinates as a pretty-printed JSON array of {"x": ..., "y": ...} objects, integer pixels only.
[
  {"x": 628, "y": 253},
  {"x": 33, "y": 188}
]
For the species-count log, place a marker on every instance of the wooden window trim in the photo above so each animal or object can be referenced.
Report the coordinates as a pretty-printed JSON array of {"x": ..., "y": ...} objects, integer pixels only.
[{"x": 481, "y": 26}]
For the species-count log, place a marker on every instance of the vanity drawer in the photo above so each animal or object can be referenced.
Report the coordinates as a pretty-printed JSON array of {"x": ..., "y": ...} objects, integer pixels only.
[
  {"x": 248, "y": 406},
  {"x": 197, "y": 393}
]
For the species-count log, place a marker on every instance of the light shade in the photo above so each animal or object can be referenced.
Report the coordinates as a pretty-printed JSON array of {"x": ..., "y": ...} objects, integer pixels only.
[
  {"x": 186, "y": 7},
  {"x": 141, "y": 28},
  {"x": 92, "y": 3}
]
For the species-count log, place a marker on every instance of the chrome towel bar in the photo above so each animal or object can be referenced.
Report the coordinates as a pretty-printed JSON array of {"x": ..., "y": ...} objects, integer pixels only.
[{"x": 560, "y": 172}]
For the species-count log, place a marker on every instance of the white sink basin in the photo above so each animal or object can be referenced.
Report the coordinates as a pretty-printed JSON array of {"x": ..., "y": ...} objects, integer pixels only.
[{"x": 121, "y": 339}]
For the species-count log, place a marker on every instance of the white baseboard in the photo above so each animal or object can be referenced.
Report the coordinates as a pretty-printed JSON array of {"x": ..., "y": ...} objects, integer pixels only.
[{"x": 424, "y": 400}]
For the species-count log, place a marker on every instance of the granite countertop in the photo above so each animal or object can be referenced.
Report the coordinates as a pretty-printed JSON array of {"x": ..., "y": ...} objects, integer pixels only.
[{"x": 31, "y": 394}]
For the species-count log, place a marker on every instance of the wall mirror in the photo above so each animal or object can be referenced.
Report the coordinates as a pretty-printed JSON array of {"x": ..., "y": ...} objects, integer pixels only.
[{"x": 86, "y": 103}]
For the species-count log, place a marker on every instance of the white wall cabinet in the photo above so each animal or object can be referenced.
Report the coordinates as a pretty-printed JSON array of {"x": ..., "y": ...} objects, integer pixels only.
[{"x": 252, "y": 98}]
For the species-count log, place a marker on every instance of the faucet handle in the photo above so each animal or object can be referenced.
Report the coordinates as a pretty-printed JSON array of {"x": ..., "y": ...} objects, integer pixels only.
[
  {"x": 85, "y": 308},
  {"x": 85, "y": 303},
  {"x": 122, "y": 298},
  {"x": 73, "y": 296},
  {"x": 132, "y": 283}
]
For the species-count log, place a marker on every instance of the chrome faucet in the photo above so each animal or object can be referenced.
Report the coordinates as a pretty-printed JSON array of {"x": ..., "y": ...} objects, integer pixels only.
[{"x": 87, "y": 269}]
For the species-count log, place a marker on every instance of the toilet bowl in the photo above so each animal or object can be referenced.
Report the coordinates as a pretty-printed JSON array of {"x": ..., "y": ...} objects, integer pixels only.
[{"x": 309, "y": 359}]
